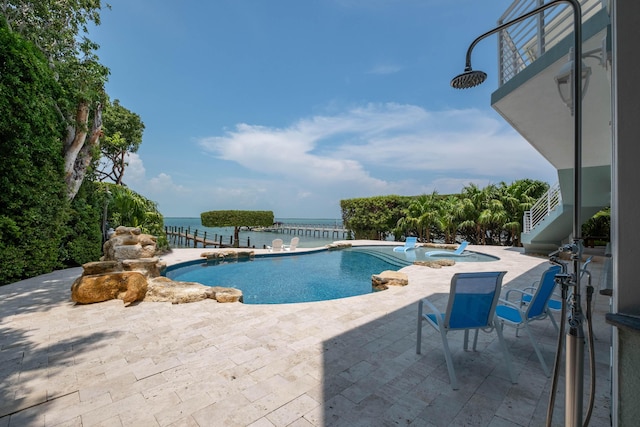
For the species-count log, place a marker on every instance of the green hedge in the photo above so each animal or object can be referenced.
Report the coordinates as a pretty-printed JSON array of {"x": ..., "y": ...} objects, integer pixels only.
[
  {"x": 237, "y": 218},
  {"x": 373, "y": 217},
  {"x": 33, "y": 202}
]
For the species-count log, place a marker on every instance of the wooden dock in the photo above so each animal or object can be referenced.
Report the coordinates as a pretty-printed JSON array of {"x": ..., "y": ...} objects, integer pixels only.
[
  {"x": 312, "y": 230},
  {"x": 186, "y": 237},
  {"x": 193, "y": 238}
]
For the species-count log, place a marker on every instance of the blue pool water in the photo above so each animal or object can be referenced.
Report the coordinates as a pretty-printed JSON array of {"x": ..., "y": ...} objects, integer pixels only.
[{"x": 291, "y": 278}]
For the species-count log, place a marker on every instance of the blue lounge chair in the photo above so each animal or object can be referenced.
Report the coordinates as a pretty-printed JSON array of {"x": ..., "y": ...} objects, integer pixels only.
[
  {"x": 555, "y": 304},
  {"x": 410, "y": 243},
  {"x": 458, "y": 252},
  {"x": 472, "y": 306},
  {"x": 514, "y": 313}
]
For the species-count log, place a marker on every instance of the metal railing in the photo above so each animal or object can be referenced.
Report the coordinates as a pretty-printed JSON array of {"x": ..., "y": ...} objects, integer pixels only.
[
  {"x": 542, "y": 208},
  {"x": 524, "y": 42}
]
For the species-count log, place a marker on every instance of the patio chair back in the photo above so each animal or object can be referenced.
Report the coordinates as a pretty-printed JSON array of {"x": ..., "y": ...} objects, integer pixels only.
[
  {"x": 473, "y": 299},
  {"x": 538, "y": 305}
]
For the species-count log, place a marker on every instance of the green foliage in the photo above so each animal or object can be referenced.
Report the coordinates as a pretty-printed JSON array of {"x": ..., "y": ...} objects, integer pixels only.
[
  {"x": 58, "y": 28},
  {"x": 373, "y": 217},
  {"x": 237, "y": 219},
  {"x": 128, "y": 208},
  {"x": 122, "y": 134},
  {"x": 83, "y": 242},
  {"x": 33, "y": 207},
  {"x": 599, "y": 225},
  {"x": 492, "y": 215}
]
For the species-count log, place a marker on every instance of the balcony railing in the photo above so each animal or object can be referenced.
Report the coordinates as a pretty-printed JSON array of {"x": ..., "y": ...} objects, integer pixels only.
[
  {"x": 542, "y": 208},
  {"x": 524, "y": 42}
]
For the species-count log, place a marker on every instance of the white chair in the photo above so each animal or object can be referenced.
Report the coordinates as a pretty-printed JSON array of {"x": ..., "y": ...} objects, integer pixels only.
[
  {"x": 292, "y": 245},
  {"x": 276, "y": 245}
]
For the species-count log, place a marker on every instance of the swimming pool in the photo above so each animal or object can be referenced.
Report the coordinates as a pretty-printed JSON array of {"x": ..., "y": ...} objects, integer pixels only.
[{"x": 304, "y": 277}]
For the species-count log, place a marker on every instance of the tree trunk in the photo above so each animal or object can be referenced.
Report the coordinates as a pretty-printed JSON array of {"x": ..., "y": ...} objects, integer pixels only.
[{"x": 78, "y": 150}]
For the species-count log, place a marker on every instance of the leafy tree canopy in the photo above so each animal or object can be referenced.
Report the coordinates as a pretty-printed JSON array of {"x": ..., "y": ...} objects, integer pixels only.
[
  {"x": 58, "y": 28},
  {"x": 373, "y": 217},
  {"x": 121, "y": 134},
  {"x": 490, "y": 215},
  {"x": 237, "y": 219}
]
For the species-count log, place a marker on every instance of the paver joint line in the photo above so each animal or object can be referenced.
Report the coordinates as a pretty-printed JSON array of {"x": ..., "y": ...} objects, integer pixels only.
[{"x": 47, "y": 400}]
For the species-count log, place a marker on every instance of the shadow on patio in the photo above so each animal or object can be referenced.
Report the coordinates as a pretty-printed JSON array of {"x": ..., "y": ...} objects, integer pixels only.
[{"x": 373, "y": 376}]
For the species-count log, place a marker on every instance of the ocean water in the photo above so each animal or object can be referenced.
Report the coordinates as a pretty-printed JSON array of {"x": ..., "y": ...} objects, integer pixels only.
[{"x": 259, "y": 239}]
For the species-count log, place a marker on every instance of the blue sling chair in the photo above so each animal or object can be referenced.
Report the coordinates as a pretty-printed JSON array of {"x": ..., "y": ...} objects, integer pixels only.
[
  {"x": 410, "y": 243},
  {"x": 472, "y": 303},
  {"x": 520, "y": 314},
  {"x": 458, "y": 252}
]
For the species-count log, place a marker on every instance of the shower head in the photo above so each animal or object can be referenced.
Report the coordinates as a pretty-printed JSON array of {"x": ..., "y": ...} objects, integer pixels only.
[{"x": 468, "y": 79}]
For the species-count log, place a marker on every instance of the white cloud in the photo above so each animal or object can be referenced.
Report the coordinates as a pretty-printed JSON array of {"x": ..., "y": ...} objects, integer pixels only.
[
  {"x": 354, "y": 148},
  {"x": 305, "y": 169},
  {"x": 136, "y": 177},
  {"x": 135, "y": 171}
]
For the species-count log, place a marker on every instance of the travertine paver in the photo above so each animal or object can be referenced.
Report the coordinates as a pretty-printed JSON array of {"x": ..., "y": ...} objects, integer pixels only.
[{"x": 348, "y": 362}]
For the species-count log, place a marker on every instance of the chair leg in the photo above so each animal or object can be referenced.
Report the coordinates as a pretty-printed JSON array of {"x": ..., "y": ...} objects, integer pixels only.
[
  {"x": 505, "y": 351},
  {"x": 475, "y": 340},
  {"x": 419, "y": 337},
  {"x": 545, "y": 368},
  {"x": 555, "y": 324},
  {"x": 449, "y": 360}
]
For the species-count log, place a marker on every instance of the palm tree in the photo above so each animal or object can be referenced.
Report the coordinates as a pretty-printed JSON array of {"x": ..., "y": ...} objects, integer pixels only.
[
  {"x": 518, "y": 198},
  {"x": 448, "y": 216},
  {"x": 420, "y": 217},
  {"x": 472, "y": 199}
]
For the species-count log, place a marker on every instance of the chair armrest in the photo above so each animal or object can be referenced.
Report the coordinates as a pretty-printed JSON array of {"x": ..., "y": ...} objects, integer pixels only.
[
  {"x": 519, "y": 291},
  {"x": 510, "y": 304},
  {"x": 433, "y": 309}
]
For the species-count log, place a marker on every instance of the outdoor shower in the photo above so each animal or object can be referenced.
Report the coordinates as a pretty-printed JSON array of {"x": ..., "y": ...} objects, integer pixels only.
[{"x": 574, "y": 374}]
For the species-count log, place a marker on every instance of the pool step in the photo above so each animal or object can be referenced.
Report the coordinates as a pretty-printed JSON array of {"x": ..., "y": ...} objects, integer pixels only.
[{"x": 393, "y": 260}]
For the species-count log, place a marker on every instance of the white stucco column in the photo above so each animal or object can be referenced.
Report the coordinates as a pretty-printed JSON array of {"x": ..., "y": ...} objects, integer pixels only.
[{"x": 625, "y": 230}]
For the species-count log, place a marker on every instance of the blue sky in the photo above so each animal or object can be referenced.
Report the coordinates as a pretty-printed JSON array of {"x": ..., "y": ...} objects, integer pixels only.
[{"x": 293, "y": 105}]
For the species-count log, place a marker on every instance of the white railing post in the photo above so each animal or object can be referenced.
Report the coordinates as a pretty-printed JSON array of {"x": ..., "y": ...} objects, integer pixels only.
[
  {"x": 526, "y": 41},
  {"x": 542, "y": 208}
]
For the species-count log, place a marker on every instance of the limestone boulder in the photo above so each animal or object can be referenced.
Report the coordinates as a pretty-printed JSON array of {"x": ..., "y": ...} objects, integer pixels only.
[
  {"x": 227, "y": 294},
  {"x": 128, "y": 286},
  {"x": 222, "y": 255},
  {"x": 162, "y": 289},
  {"x": 387, "y": 278},
  {"x": 150, "y": 267},
  {"x": 129, "y": 243},
  {"x": 100, "y": 267},
  {"x": 129, "y": 271},
  {"x": 436, "y": 263},
  {"x": 338, "y": 246}
]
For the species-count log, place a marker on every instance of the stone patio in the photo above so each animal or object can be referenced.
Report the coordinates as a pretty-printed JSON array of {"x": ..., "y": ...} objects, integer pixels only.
[{"x": 348, "y": 362}]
